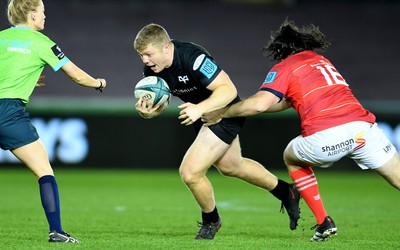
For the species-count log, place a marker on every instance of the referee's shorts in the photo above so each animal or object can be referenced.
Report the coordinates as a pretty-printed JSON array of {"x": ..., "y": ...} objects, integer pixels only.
[{"x": 16, "y": 128}]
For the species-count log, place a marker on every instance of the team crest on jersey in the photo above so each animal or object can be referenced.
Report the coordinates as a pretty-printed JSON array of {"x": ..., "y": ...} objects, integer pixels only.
[
  {"x": 270, "y": 77},
  {"x": 183, "y": 79},
  {"x": 57, "y": 52},
  {"x": 208, "y": 68}
]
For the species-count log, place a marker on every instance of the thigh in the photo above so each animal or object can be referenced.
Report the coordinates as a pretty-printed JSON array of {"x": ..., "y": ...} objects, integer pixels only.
[
  {"x": 204, "y": 152},
  {"x": 232, "y": 156},
  {"x": 289, "y": 156},
  {"x": 34, "y": 156},
  {"x": 391, "y": 171},
  {"x": 306, "y": 151}
]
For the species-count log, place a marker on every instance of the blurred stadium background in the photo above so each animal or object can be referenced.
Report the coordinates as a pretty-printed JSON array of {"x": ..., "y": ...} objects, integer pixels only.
[{"x": 81, "y": 127}]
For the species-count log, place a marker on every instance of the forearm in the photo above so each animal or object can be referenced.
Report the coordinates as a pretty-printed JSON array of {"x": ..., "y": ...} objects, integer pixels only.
[
  {"x": 81, "y": 77},
  {"x": 260, "y": 102},
  {"x": 280, "y": 106},
  {"x": 219, "y": 98},
  {"x": 241, "y": 109},
  {"x": 84, "y": 79}
]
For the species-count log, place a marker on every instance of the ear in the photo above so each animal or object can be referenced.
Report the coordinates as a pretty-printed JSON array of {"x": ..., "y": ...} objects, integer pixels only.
[
  {"x": 166, "y": 46},
  {"x": 33, "y": 15}
]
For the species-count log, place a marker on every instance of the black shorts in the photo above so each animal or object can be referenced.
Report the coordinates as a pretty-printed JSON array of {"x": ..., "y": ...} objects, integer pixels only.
[
  {"x": 226, "y": 130},
  {"x": 16, "y": 128}
]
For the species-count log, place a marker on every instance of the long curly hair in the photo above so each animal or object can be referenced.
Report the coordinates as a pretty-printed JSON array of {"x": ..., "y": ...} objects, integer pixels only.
[{"x": 290, "y": 39}]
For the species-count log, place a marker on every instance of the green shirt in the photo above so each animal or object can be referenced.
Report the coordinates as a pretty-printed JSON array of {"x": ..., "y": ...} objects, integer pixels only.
[{"x": 23, "y": 55}]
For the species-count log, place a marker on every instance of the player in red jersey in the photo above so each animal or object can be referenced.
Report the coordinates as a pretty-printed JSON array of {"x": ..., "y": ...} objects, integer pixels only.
[{"x": 334, "y": 123}]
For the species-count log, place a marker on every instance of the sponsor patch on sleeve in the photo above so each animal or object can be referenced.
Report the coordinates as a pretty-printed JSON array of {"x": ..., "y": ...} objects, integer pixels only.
[
  {"x": 198, "y": 61},
  {"x": 208, "y": 68},
  {"x": 270, "y": 77},
  {"x": 57, "y": 52}
]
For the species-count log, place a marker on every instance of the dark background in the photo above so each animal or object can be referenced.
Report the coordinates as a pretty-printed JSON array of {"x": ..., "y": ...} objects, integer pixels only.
[{"x": 97, "y": 35}]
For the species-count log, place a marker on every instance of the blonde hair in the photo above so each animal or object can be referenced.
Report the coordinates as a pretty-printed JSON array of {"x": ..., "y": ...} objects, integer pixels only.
[
  {"x": 17, "y": 10},
  {"x": 151, "y": 34}
]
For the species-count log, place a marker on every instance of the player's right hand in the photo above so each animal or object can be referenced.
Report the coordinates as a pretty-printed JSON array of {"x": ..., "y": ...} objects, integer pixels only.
[{"x": 148, "y": 111}]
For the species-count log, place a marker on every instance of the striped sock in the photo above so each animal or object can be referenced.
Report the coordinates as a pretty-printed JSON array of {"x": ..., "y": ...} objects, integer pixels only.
[{"x": 307, "y": 185}]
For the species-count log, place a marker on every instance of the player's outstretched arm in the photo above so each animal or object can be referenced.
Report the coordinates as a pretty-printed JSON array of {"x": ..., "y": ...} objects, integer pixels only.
[
  {"x": 82, "y": 78},
  {"x": 280, "y": 106},
  {"x": 260, "y": 102}
]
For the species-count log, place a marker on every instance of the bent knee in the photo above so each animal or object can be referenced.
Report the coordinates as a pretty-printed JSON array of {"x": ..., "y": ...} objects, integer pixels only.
[{"x": 189, "y": 176}]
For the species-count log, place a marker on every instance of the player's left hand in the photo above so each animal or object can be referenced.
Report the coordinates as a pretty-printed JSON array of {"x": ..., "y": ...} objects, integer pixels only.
[{"x": 189, "y": 113}]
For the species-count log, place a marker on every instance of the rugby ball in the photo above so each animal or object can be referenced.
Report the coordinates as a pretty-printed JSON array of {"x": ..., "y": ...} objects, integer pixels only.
[{"x": 154, "y": 89}]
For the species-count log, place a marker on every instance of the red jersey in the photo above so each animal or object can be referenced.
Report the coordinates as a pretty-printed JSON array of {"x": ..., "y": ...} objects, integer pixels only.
[{"x": 316, "y": 90}]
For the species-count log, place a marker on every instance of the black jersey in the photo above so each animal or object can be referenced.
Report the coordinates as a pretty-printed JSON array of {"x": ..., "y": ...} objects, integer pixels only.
[{"x": 192, "y": 70}]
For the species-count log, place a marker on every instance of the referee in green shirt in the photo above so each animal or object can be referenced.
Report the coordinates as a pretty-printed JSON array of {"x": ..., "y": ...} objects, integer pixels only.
[{"x": 24, "y": 52}]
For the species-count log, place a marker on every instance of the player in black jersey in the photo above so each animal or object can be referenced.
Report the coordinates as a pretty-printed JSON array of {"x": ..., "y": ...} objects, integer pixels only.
[{"x": 194, "y": 77}]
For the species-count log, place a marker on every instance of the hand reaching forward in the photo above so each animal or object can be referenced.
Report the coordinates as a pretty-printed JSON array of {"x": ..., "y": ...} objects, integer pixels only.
[{"x": 189, "y": 114}]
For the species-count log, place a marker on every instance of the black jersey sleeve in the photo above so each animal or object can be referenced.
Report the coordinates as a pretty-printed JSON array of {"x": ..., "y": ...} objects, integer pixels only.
[
  {"x": 203, "y": 68},
  {"x": 197, "y": 61}
]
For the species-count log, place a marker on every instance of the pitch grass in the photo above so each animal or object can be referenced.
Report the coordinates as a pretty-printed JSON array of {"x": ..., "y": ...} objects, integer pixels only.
[{"x": 123, "y": 209}]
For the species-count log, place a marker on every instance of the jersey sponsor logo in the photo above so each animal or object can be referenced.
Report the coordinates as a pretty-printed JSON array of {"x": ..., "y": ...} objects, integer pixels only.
[
  {"x": 179, "y": 92},
  {"x": 346, "y": 146},
  {"x": 270, "y": 77},
  {"x": 183, "y": 79},
  {"x": 57, "y": 52},
  {"x": 19, "y": 46},
  {"x": 338, "y": 148},
  {"x": 198, "y": 61},
  {"x": 208, "y": 68},
  {"x": 360, "y": 140}
]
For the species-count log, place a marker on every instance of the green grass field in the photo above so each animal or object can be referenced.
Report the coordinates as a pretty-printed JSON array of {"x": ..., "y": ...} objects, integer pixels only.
[{"x": 122, "y": 209}]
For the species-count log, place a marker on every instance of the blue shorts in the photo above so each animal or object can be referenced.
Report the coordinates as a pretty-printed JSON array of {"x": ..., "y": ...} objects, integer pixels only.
[{"x": 16, "y": 128}]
